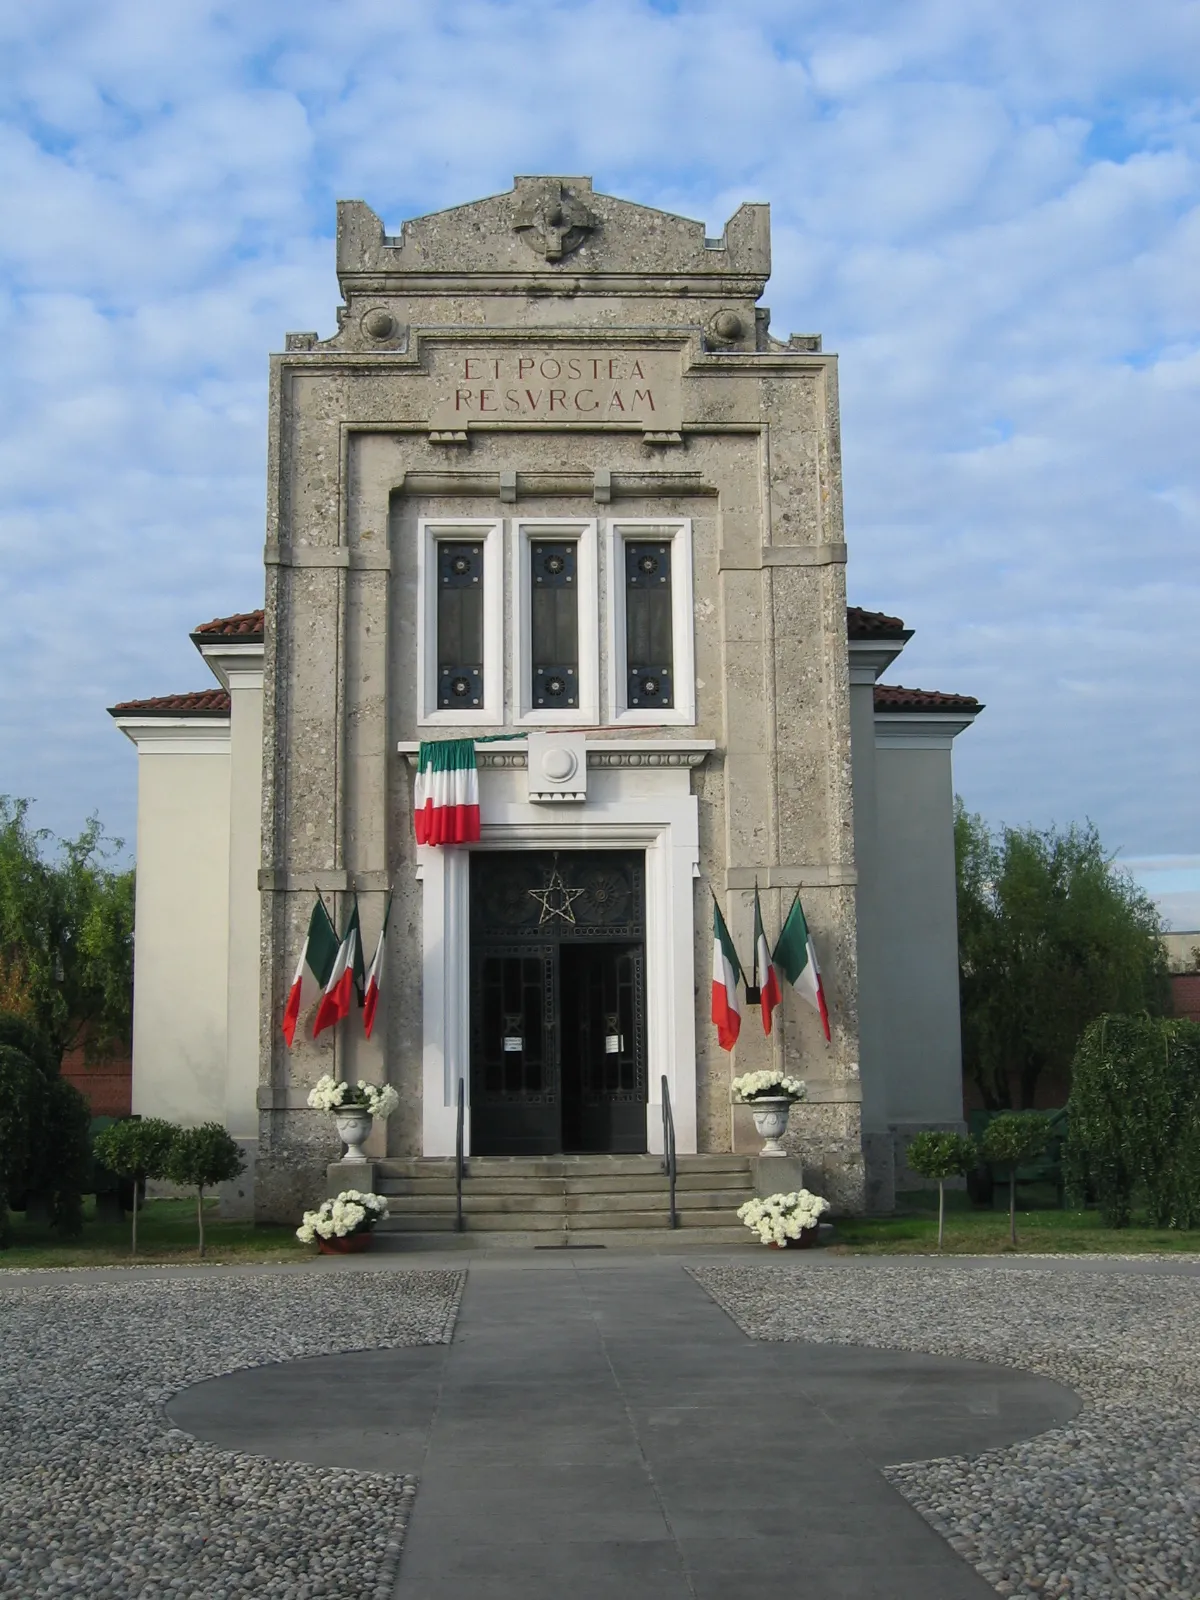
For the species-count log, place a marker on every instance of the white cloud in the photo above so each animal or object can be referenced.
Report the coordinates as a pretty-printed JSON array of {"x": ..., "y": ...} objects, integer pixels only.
[{"x": 991, "y": 211}]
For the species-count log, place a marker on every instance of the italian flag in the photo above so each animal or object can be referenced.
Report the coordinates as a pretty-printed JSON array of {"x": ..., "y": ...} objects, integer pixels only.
[
  {"x": 764, "y": 967},
  {"x": 727, "y": 974},
  {"x": 375, "y": 976},
  {"x": 312, "y": 972},
  {"x": 345, "y": 977},
  {"x": 446, "y": 802},
  {"x": 796, "y": 962}
]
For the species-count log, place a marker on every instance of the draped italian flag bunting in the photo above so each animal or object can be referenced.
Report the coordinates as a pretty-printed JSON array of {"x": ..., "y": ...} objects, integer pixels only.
[
  {"x": 375, "y": 976},
  {"x": 316, "y": 962},
  {"x": 796, "y": 962},
  {"x": 727, "y": 974},
  {"x": 344, "y": 979},
  {"x": 446, "y": 802},
  {"x": 769, "y": 993}
]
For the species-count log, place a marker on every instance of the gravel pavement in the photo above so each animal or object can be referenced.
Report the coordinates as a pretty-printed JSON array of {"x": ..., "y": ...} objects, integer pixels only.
[
  {"x": 101, "y": 1497},
  {"x": 1107, "y": 1507}
]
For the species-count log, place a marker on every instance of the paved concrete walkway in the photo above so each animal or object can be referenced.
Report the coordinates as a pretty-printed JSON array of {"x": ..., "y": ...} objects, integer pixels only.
[{"x": 605, "y": 1431}]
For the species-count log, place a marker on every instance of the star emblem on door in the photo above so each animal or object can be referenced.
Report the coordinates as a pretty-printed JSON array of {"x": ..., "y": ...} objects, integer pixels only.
[{"x": 556, "y": 900}]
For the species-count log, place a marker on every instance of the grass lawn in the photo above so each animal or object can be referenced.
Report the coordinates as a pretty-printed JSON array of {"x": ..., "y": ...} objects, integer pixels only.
[
  {"x": 1042, "y": 1229},
  {"x": 166, "y": 1233}
]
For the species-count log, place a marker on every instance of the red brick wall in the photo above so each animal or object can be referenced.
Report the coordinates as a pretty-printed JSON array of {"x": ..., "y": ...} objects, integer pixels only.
[
  {"x": 107, "y": 1085},
  {"x": 1185, "y": 992}
]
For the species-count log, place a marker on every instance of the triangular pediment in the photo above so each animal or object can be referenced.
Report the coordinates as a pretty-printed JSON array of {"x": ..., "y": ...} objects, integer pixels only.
[{"x": 553, "y": 226}]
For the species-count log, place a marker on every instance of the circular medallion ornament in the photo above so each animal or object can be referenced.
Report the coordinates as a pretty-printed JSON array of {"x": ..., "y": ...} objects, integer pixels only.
[
  {"x": 558, "y": 763},
  {"x": 379, "y": 324},
  {"x": 726, "y": 327},
  {"x": 460, "y": 687},
  {"x": 650, "y": 686},
  {"x": 555, "y": 564},
  {"x": 647, "y": 563}
]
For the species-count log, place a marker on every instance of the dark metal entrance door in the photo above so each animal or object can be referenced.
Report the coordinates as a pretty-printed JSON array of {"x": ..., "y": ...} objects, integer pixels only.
[
  {"x": 558, "y": 1038},
  {"x": 515, "y": 1100},
  {"x": 603, "y": 1048}
]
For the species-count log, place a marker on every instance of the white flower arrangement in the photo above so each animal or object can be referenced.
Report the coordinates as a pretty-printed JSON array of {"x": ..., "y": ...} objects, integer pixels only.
[
  {"x": 350, "y": 1212},
  {"x": 328, "y": 1094},
  {"x": 781, "y": 1217},
  {"x": 768, "y": 1086}
]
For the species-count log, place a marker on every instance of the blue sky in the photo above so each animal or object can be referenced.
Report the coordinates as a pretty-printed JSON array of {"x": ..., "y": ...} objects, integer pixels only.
[{"x": 990, "y": 210}]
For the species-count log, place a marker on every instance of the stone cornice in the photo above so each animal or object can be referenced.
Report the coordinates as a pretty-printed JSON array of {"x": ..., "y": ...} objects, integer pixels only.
[{"x": 638, "y": 753}]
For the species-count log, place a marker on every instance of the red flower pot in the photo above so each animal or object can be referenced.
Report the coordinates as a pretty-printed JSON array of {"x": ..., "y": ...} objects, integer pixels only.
[{"x": 352, "y": 1245}]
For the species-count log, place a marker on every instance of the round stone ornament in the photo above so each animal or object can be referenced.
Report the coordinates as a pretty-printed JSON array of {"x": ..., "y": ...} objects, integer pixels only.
[
  {"x": 379, "y": 323},
  {"x": 559, "y": 764}
]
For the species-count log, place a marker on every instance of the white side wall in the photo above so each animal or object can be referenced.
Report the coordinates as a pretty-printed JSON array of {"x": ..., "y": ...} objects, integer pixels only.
[
  {"x": 182, "y": 921},
  {"x": 914, "y": 983},
  {"x": 245, "y": 850},
  {"x": 873, "y": 1035}
]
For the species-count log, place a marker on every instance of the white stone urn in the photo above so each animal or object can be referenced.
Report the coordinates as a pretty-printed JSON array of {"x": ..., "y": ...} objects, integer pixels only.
[
  {"x": 353, "y": 1125},
  {"x": 771, "y": 1120}
]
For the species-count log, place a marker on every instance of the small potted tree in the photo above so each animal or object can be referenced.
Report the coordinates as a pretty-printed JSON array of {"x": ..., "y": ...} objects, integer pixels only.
[
  {"x": 938, "y": 1155},
  {"x": 771, "y": 1096},
  {"x": 199, "y": 1159},
  {"x": 1010, "y": 1139},
  {"x": 137, "y": 1148}
]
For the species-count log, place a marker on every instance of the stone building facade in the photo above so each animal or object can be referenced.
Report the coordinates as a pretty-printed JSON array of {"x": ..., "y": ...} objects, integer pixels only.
[{"x": 553, "y": 478}]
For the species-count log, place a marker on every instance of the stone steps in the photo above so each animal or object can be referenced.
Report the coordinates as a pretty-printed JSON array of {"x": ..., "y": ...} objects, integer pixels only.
[
  {"x": 661, "y": 1239},
  {"x": 561, "y": 1199}
]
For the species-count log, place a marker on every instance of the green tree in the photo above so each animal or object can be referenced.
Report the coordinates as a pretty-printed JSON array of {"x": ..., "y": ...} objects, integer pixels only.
[
  {"x": 1010, "y": 1140},
  {"x": 138, "y": 1149},
  {"x": 17, "y": 1074},
  {"x": 44, "y": 1123},
  {"x": 201, "y": 1157},
  {"x": 1050, "y": 937},
  {"x": 1135, "y": 1118},
  {"x": 66, "y": 933},
  {"x": 938, "y": 1155}
]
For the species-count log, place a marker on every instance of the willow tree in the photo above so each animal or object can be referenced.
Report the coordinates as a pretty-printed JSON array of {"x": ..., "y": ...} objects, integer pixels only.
[
  {"x": 1050, "y": 936},
  {"x": 66, "y": 933}
]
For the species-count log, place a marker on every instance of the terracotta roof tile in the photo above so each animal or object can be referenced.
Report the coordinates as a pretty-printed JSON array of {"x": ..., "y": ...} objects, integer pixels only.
[
  {"x": 862, "y": 624},
  {"x": 246, "y": 625},
  {"x": 196, "y": 703},
  {"x": 892, "y": 697}
]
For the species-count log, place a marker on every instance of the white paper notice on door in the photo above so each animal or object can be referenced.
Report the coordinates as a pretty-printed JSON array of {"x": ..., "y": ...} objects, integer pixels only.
[
  {"x": 513, "y": 1041},
  {"x": 612, "y": 1044}
]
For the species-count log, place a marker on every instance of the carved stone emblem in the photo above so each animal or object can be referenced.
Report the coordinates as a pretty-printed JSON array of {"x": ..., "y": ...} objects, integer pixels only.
[{"x": 552, "y": 220}]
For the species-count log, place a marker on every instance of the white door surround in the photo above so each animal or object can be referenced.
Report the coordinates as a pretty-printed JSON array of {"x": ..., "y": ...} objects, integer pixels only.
[{"x": 639, "y": 798}]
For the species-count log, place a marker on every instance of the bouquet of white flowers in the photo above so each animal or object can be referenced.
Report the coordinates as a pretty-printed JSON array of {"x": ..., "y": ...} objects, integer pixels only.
[
  {"x": 768, "y": 1086},
  {"x": 351, "y": 1212},
  {"x": 327, "y": 1094},
  {"x": 781, "y": 1217}
]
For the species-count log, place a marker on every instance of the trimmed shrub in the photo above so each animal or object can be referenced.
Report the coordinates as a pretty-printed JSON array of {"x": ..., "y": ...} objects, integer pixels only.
[
  {"x": 137, "y": 1148},
  {"x": 1135, "y": 1118},
  {"x": 1009, "y": 1140},
  {"x": 941, "y": 1155},
  {"x": 200, "y": 1158}
]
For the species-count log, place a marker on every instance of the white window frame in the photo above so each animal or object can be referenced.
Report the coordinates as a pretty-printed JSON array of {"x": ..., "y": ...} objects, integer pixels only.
[
  {"x": 683, "y": 645},
  {"x": 488, "y": 531},
  {"x": 583, "y": 531}
]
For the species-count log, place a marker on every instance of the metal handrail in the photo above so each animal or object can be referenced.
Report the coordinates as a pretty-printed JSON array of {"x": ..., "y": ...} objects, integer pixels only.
[
  {"x": 670, "y": 1165},
  {"x": 459, "y": 1164}
]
